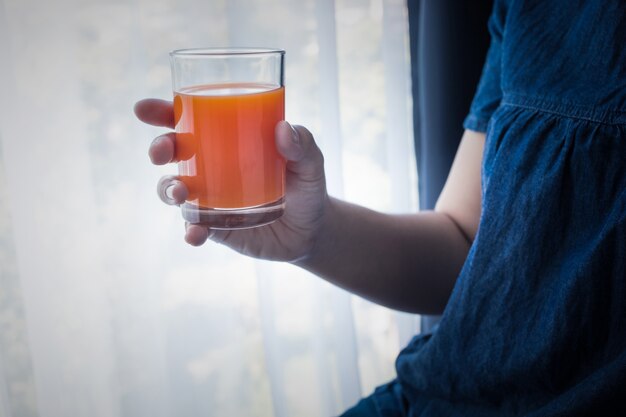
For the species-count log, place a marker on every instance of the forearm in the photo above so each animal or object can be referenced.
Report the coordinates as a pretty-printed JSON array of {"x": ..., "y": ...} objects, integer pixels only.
[{"x": 406, "y": 262}]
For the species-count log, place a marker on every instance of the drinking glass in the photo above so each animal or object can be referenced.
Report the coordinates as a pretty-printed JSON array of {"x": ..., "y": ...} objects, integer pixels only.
[{"x": 227, "y": 102}]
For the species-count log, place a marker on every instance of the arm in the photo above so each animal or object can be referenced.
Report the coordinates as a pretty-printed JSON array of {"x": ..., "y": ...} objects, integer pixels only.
[{"x": 406, "y": 262}]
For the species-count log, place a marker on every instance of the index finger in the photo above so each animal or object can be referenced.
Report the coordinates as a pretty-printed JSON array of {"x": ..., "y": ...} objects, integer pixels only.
[{"x": 155, "y": 112}]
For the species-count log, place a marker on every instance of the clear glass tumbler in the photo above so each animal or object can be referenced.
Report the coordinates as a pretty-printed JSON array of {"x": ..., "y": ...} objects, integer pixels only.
[{"x": 227, "y": 103}]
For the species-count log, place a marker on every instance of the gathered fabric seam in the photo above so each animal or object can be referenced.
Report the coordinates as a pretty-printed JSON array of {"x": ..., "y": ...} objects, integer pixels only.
[{"x": 580, "y": 112}]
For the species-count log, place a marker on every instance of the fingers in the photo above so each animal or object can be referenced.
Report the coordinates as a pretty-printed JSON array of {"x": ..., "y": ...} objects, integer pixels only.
[
  {"x": 155, "y": 112},
  {"x": 195, "y": 234},
  {"x": 297, "y": 145},
  {"x": 172, "y": 190},
  {"x": 162, "y": 149}
]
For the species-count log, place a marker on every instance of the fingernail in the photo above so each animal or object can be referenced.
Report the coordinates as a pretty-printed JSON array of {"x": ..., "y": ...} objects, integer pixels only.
[
  {"x": 294, "y": 135},
  {"x": 165, "y": 189},
  {"x": 169, "y": 191}
]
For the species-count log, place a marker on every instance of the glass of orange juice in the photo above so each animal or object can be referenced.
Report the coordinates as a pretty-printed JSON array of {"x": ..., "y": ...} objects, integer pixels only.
[{"x": 227, "y": 102}]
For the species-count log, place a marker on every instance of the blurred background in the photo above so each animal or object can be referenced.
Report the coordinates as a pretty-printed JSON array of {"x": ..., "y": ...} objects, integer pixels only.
[{"x": 104, "y": 310}]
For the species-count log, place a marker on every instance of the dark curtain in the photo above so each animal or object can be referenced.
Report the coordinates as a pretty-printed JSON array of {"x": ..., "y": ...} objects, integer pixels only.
[{"x": 449, "y": 41}]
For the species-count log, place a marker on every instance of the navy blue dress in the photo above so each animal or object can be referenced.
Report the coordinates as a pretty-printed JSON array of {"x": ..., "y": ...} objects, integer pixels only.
[{"x": 536, "y": 324}]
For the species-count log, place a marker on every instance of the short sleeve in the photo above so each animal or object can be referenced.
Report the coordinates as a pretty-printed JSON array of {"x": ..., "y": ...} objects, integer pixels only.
[{"x": 489, "y": 91}]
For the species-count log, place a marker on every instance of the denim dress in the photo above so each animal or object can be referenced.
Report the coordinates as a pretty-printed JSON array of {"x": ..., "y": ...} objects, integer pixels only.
[{"x": 536, "y": 323}]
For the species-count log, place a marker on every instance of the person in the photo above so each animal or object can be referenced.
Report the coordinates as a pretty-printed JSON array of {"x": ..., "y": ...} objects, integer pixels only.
[{"x": 525, "y": 252}]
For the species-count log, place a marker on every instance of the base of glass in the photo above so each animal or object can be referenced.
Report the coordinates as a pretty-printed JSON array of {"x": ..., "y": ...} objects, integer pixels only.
[{"x": 236, "y": 218}]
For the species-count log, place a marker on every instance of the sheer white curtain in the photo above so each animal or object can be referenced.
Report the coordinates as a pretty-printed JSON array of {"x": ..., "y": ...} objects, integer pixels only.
[{"x": 104, "y": 311}]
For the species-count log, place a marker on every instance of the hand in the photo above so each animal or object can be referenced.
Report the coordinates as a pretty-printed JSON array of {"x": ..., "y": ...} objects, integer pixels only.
[{"x": 292, "y": 236}]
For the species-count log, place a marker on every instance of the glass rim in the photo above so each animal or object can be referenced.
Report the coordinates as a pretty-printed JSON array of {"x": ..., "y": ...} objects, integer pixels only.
[{"x": 225, "y": 51}]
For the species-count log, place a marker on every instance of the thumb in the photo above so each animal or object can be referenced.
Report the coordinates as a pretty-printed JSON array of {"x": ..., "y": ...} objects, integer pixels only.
[{"x": 297, "y": 146}]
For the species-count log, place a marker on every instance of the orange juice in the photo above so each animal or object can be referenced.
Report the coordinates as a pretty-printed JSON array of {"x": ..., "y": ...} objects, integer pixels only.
[{"x": 225, "y": 144}]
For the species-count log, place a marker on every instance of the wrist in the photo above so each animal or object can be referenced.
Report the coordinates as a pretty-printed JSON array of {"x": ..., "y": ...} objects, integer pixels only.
[{"x": 321, "y": 235}]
